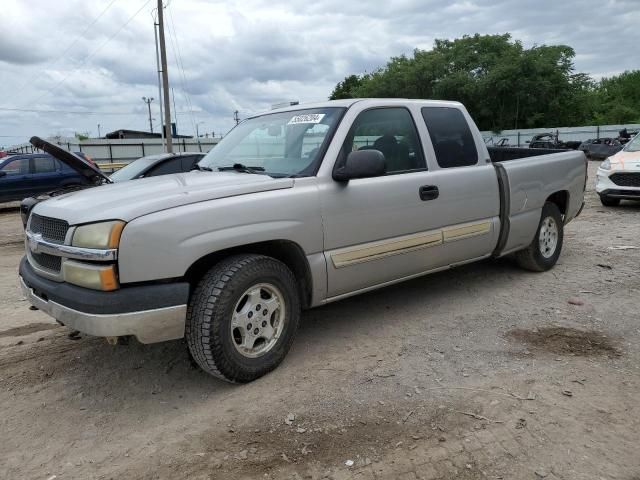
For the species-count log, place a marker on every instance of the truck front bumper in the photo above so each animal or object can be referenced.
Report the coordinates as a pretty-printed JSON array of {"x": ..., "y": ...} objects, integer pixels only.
[{"x": 152, "y": 313}]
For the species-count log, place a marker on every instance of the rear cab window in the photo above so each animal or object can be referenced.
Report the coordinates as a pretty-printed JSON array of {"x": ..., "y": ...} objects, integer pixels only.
[{"x": 451, "y": 137}]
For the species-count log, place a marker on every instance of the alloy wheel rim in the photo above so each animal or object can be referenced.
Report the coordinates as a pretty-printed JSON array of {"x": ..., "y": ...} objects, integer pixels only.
[
  {"x": 548, "y": 238},
  {"x": 258, "y": 320}
]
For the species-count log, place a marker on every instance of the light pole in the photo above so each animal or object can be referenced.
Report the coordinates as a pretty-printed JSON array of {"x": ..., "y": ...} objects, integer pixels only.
[
  {"x": 98, "y": 130},
  {"x": 197, "y": 129},
  {"x": 148, "y": 102}
]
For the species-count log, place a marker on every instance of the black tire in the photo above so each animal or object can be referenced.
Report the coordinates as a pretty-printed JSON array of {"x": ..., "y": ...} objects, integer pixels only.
[
  {"x": 609, "y": 202},
  {"x": 208, "y": 328},
  {"x": 532, "y": 257}
]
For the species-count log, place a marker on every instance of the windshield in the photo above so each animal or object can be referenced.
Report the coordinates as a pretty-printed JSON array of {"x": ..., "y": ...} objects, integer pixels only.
[
  {"x": 633, "y": 145},
  {"x": 135, "y": 168},
  {"x": 284, "y": 144}
]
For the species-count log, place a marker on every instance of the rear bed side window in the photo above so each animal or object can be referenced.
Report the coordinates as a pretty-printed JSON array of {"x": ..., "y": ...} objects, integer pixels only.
[{"x": 451, "y": 137}]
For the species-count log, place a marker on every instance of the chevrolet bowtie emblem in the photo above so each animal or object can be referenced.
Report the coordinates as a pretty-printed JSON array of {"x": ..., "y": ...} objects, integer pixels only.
[{"x": 34, "y": 240}]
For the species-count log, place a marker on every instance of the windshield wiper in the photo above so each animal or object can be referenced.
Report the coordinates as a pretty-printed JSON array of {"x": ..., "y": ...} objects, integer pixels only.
[
  {"x": 202, "y": 168},
  {"x": 239, "y": 167}
]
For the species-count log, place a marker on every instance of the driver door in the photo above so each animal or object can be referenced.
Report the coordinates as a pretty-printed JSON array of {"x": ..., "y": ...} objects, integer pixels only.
[{"x": 382, "y": 228}]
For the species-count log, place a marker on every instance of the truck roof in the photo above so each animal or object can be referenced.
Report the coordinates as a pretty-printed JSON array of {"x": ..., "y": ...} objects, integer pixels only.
[{"x": 373, "y": 101}]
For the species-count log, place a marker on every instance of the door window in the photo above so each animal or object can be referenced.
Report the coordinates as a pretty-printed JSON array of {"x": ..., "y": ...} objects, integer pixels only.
[
  {"x": 19, "y": 166},
  {"x": 391, "y": 131},
  {"x": 451, "y": 137},
  {"x": 44, "y": 165}
]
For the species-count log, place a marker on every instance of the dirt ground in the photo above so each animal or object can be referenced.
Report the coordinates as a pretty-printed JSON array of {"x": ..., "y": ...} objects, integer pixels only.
[{"x": 485, "y": 371}]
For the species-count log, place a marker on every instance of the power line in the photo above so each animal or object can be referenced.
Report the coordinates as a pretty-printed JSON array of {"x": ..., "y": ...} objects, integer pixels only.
[
  {"x": 88, "y": 57},
  {"x": 180, "y": 65},
  {"x": 77, "y": 112},
  {"x": 65, "y": 51},
  {"x": 83, "y": 112}
]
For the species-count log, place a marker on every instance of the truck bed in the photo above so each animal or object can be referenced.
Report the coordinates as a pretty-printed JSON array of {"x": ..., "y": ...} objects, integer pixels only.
[
  {"x": 503, "y": 154},
  {"x": 526, "y": 183}
]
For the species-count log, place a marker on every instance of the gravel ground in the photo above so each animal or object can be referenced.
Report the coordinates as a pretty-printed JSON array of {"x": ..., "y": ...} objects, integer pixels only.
[{"x": 485, "y": 371}]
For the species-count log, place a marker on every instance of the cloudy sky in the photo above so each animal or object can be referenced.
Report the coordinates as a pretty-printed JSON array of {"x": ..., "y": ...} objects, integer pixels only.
[{"x": 99, "y": 56}]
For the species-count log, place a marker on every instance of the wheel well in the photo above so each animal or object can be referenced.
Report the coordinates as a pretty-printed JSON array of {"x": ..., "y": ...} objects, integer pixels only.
[
  {"x": 561, "y": 199},
  {"x": 289, "y": 253}
]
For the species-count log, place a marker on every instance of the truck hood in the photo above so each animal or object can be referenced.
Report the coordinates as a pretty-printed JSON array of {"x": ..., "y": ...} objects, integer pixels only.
[{"x": 129, "y": 200}]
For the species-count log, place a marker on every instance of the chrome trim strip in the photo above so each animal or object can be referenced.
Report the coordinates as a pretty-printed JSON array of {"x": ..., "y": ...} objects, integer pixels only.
[
  {"x": 366, "y": 252},
  {"x": 458, "y": 232},
  {"x": 375, "y": 250},
  {"x": 37, "y": 244},
  {"x": 149, "y": 326}
]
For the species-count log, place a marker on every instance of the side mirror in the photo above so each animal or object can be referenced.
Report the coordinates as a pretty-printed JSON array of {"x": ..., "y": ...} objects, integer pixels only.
[
  {"x": 361, "y": 164},
  {"x": 2, "y": 173}
]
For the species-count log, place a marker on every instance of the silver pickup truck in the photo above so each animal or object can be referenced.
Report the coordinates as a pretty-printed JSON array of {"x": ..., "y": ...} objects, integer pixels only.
[{"x": 293, "y": 209}]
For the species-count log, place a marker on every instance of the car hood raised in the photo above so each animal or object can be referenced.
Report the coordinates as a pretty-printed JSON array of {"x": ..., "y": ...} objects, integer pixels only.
[
  {"x": 80, "y": 165},
  {"x": 129, "y": 200}
]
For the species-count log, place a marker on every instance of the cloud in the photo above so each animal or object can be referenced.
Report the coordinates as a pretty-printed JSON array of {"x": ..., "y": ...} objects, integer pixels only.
[{"x": 249, "y": 55}]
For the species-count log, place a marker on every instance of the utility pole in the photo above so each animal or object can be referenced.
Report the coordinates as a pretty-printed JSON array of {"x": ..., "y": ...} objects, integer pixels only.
[
  {"x": 98, "y": 130},
  {"x": 236, "y": 117},
  {"x": 165, "y": 77},
  {"x": 148, "y": 102},
  {"x": 155, "y": 34}
]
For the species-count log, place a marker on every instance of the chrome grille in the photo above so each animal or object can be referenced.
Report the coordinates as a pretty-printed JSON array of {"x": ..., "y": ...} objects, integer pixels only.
[
  {"x": 52, "y": 229},
  {"x": 49, "y": 262}
]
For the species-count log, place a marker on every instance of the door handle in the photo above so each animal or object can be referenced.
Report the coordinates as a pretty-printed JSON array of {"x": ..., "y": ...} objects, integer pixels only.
[{"x": 428, "y": 192}]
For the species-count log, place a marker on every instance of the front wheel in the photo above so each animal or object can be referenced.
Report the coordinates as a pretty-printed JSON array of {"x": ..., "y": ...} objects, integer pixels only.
[
  {"x": 242, "y": 317},
  {"x": 543, "y": 252},
  {"x": 609, "y": 202}
]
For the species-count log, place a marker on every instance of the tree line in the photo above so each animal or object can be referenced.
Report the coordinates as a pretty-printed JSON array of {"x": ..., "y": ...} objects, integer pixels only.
[{"x": 503, "y": 84}]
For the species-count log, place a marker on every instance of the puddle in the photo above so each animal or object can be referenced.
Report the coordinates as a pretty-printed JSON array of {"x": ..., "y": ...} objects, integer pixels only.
[{"x": 566, "y": 341}]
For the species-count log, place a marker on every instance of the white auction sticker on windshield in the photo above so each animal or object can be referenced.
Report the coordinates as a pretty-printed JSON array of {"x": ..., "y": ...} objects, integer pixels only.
[{"x": 308, "y": 118}]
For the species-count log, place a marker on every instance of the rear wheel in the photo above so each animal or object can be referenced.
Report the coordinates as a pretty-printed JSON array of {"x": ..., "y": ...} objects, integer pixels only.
[
  {"x": 242, "y": 317},
  {"x": 609, "y": 202},
  {"x": 543, "y": 252}
]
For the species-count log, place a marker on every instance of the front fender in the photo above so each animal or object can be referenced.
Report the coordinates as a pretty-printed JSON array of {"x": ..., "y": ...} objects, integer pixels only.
[{"x": 165, "y": 244}]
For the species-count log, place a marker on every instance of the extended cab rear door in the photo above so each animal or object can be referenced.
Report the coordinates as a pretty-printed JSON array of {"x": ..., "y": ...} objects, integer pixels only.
[
  {"x": 459, "y": 165},
  {"x": 418, "y": 217}
]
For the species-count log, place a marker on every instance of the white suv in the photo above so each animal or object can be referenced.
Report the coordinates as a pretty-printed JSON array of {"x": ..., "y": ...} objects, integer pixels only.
[{"x": 618, "y": 177}]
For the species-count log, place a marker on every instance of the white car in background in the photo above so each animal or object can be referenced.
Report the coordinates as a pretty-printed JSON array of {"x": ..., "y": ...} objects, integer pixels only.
[{"x": 618, "y": 177}]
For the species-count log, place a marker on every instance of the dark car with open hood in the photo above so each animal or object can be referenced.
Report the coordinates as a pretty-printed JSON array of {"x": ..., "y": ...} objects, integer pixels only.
[{"x": 87, "y": 174}]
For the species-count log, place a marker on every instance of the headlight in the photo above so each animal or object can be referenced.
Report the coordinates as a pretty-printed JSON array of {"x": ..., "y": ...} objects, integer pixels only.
[
  {"x": 97, "y": 277},
  {"x": 606, "y": 165},
  {"x": 98, "y": 235}
]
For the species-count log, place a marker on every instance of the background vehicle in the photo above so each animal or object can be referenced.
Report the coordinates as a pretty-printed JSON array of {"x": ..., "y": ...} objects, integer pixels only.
[
  {"x": 161, "y": 164},
  {"x": 293, "y": 209},
  {"x": 551, "y": 140},
  {"x": 503, "y": 142},
  {"x": 618, "y": 177},
  {"x": 34, "y": 173},
  {"x": 600, "y": 148}
]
